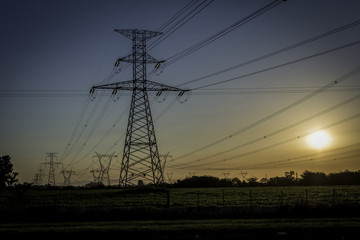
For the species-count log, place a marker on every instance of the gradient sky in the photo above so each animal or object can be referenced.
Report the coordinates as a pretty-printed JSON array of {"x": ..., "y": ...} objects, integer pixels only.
[{"x": 53, "y": 52}]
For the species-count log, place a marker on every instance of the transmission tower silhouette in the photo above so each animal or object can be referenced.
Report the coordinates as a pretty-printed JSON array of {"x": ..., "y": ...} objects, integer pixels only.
[
  {"x": 96, "y": 174},
  {"x": 141, "y": 155},
  {"x": 67, "y": 175},
  {"x": 105, "y": 162},
  {"x": 50, "y": 157},
  {"x": 38, "y": 177},
  {"x": 243, "y": 174}
]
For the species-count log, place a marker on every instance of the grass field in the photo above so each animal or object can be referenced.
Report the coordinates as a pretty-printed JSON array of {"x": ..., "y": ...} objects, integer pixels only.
[
  {"x": 331, "y": 212},
  {"x": 183, "y": 197}
]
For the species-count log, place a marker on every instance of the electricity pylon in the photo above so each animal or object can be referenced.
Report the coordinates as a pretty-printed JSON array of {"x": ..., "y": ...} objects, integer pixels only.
[
  {"x": 243, "y": 174},
  {"x": 96, "y": 174},
  {"x": 105, "y": 162},
  {"x": 51, "y": 156},
  {"x": 165, "y": 157},
  {"x": 38, "y": 177},
  {"x": 141, "y": 155},
  {"x": 67, "y": 175}
]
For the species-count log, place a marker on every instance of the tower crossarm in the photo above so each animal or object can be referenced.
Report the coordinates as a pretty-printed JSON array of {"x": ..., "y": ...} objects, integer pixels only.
[
  {"x": 131, "y": 58},
  {"x": 129, "y": 33},
  {"x": 142, "y": 85}
]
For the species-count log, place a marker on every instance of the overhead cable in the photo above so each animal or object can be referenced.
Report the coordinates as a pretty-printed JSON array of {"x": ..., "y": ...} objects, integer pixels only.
[
  {"x": 276, "y": 113},
  {"x": 280, "y": 65},
  {"x": 296, "y": 45},
  {"x": 221, "y": 33}
]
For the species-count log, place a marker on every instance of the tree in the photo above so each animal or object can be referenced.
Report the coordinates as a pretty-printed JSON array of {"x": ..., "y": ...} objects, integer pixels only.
[
  {"x": 7, "y": 176},
  {"x": 253, "y": 181},
  {"x": 345, "y": 178},
  {"x": 199, "y": 181},
  {"x": 236, "y": 182},
  {"x": 281, "y": 181},
  {"x": 313, "y": 178}
]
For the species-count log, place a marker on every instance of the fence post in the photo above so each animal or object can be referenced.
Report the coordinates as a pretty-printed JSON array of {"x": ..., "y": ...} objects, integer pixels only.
[
  {"x": 306, "y": 196},
  {"x": 333, "y": 196},
  {"x": 281, "y": 198}
]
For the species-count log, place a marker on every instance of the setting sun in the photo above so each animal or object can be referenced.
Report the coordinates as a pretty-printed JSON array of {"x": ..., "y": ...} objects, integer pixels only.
[{"x": 319, "y": 140}]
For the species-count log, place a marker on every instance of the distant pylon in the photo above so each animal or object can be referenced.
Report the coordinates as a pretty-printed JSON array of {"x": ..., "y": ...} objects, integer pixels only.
[
  {"x": 165, "y": 157},
  {"x": 67, "y": 175},
  {"x": 243, "y": 174},
  {"x": 96, "y": 174},
  {"x": 226, "y": 175},
  {"x": 38, "y": 177},
  {"x": 50, "y": 161},
  {"x": 141, "y": 155},
  {"x": 105, "y": 162}
]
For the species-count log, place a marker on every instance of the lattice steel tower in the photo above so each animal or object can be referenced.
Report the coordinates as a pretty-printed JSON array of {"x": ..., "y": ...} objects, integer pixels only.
[
  {"x": 105, "y": 162},
  {"x": 141, "y": 158},
  {"x": 52, "y": 164}
]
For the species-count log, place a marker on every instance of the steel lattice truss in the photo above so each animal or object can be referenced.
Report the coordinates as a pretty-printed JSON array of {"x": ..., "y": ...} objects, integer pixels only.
[{"x": 141, "y": 159}]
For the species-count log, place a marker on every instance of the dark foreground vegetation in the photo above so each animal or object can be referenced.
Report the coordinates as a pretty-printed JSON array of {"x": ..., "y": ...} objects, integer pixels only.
[
  {"x": 281, "y": 228},
  {"x": 292, "y": 212},
  {"x": 307, "y": 178},
  {"x": 22, "y": 198}
]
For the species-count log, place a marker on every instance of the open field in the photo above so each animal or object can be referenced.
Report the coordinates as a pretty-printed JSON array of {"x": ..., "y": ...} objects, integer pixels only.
[
  {"x": 182, "y": 197},
  {"x": 331, "y": 212},
  {"x": 178, "y": 203}
]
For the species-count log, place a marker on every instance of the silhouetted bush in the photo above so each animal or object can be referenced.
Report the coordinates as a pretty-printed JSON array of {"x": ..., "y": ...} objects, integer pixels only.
[{"x": 347, "y": 177}]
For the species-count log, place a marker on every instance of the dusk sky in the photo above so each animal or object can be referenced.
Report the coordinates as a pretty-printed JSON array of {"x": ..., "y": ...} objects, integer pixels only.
[{"x": 295, "y": 70}]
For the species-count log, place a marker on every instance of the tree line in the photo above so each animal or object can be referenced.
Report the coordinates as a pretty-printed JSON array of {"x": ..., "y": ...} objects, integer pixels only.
[{"x": 307, "y": 178}]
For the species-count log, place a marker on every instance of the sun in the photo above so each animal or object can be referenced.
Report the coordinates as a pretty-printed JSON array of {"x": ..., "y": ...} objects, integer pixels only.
[{"x": 319, "y": 140}]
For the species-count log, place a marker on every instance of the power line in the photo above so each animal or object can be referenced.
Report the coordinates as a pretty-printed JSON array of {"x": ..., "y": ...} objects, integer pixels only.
[
  {"x": 177, "y": 15},
  {"x": 267, "y": 91},
  {"x": 274, "y": 114},
  {"x": 92, "y": 130},
  {"x": 279, "y": 143},
  {"x": 291, "y": 160},
  {"x": 266, "y": 136},
  {"x": 221, "y": 33},
  {"x": 293, "y": 46},
  {"x": 76, "y": 128},
  {"x": 181, "y": 22},
  {"x": 280, "y": 65},
  {"x": 50, "y": 93}
]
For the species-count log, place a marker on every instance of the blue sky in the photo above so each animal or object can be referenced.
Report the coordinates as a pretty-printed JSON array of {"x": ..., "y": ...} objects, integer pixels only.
[{"x": 62, "y": 48}]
